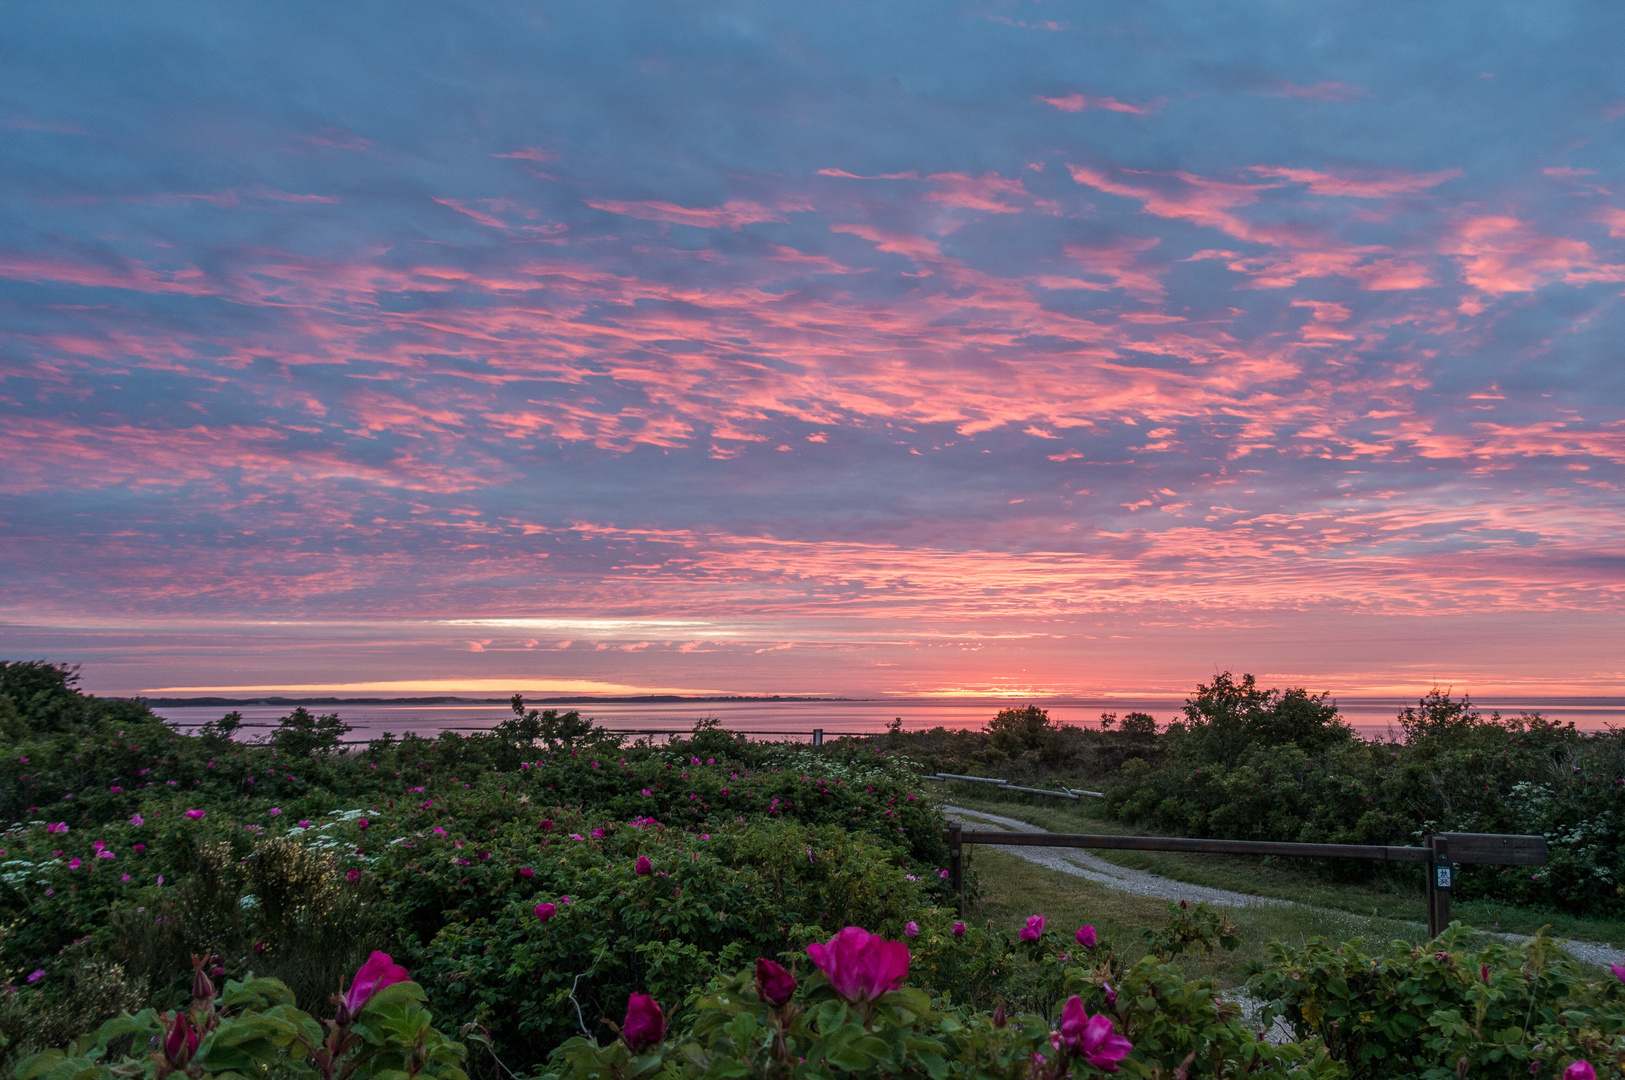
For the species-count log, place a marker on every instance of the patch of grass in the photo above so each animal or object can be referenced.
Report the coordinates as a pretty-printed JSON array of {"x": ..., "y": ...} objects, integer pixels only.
[
  {"x": 1013, "y": 888},
  {"x": 1397, "y": 894}
]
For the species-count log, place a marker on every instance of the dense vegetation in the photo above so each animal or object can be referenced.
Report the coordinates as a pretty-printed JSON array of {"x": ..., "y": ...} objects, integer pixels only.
[
  {"x": 502, "y": 866},
  {"x": 1250, "y": 763},
  {"x": 540, "y": 876}
]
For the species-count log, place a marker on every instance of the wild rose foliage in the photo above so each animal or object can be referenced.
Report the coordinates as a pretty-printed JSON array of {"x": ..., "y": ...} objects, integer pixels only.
[
  {"x": 1503, "y": 1011},
  {"x": 127, "y": 856},
  {"x": 837, "y": 1023},
  {"x": 381, "y": 1031}
]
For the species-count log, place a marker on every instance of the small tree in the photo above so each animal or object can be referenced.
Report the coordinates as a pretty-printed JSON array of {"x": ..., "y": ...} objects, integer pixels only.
[
  {"x": 1139, "y": 724},
  {"x": 217, "y": 733},
  {"x": 299, "y": 734},
  {"x": 551, "y": 726},
  {"x": 1025, "y": 728}
]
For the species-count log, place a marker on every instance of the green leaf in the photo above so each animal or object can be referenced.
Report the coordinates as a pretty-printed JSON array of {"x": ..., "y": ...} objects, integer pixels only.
[{"x": 37, "y": 1064}]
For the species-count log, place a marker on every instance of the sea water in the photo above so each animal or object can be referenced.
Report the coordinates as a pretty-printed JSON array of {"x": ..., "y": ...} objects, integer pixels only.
[{"x": 796, "y": 720}]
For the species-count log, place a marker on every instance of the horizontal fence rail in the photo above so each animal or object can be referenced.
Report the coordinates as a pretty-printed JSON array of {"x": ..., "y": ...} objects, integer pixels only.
[{"x": 1441, "y": 853}]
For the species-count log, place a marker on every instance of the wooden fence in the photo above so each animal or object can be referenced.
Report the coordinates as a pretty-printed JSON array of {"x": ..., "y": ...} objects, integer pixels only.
[{"x": 1442, "y": 853}]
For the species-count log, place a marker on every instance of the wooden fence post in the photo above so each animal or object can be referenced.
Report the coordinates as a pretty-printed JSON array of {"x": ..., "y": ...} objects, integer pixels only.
[
  {"x": 1441, "y": 879},
  {"x": 956, "y": 863}
]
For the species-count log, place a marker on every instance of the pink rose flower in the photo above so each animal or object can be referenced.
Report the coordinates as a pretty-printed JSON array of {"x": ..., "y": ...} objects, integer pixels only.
[
  {"x": 1086, "y": 936},
  {"x": 181, "y": 1042},
  {"x": 1034, "y": 928},
  {"x": 959, "y": 929},
  {"x": 526, "y": 872},
  {"x": 378, "y": 972},
  {"x": 196, "y": 815},
  {"x": 774, "y": 984},
  {"x": 1580, "y": 1070},
  {"x": 860, "y": 965},
  {"x": 73, "y": 864},
  {"x": 911, "y": 929},
  {"x": 1092, "y": 1038},
  {"x": 1618, "y": 970},
  {"x": 137, "y": 819},
  {"x": 644, "y": 866},
  {"x": 36, "y": 975},
  {"x": 353, "y": 876},
  {"x": 545, "y": 912},
  {"x": 645, "y": 1024}
]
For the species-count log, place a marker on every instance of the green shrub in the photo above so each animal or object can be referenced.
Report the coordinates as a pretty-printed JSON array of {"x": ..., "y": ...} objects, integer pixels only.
[
  {"x": 1252, "y": 764},
  {"x": 1441, "y": 1009}
]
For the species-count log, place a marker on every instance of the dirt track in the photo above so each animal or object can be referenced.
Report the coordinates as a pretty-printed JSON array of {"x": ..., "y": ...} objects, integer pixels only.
[{"x": 1093, "y": 868}]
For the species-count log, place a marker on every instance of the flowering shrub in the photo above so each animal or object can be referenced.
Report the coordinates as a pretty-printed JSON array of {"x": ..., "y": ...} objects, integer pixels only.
[
  {"x": 134, "y": 842},
  {"x": 1513, "y": 1011},
  {"x": 854, "y": 1016},
  {"x": 381, "y": 1030}
]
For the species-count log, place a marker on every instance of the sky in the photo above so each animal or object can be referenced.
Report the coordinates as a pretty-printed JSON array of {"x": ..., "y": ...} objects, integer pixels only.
[{"x": 997, "y": 347}]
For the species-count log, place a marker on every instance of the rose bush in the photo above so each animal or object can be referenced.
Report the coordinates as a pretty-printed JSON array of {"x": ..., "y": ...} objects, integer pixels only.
[
  {"x": 854, "y": 1016},
  {"x": 1443, "y": 1008},
  {"x": 380, "y": 1030}
]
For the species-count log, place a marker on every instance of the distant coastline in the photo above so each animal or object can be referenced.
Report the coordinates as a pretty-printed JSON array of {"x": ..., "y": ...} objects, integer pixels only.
[{"x": 221, "y": 702}]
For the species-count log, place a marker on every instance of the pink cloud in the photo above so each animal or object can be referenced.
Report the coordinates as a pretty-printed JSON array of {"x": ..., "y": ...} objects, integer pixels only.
[
  {"x": 989, "y": 192},
  {"x": 1331, "y": 90},
  {"x": 733, "y": 214},
  {"x": 917, "y": 248},
  {"x": 1119, "y": 262},
  {"x": 842, "y": 174},
  {"x": 1079, "y": 102},
  {"x": 231, "y": 198},
  {"x": 530, "y": 153},
  {"x": 1181, "y": 196},
  {"x": 478, "y": 215},
  {"x": 1501, "y": 254},
  {"x": 1373, "y": 184},
  {"x": 25, "y": 267}
]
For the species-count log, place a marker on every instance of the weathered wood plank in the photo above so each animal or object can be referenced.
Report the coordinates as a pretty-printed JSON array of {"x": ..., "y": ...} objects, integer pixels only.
[{"x": 1498, "y": 849}]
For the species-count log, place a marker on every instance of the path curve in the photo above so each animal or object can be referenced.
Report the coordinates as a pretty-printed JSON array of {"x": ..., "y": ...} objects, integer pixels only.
[{"x": 1080, "y": 863}]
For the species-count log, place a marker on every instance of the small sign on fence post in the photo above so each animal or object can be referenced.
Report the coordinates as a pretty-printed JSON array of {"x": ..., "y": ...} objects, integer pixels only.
[
  {"x": 1439, "y": 882},
  {"x": 1441, "y": 853}
]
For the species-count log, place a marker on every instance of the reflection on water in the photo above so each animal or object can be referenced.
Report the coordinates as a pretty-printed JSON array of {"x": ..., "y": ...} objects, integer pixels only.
[{"x": 797, "y": 719}]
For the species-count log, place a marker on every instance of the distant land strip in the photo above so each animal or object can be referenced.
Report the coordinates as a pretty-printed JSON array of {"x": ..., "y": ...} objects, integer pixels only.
[{"x": 220, "y": 702}]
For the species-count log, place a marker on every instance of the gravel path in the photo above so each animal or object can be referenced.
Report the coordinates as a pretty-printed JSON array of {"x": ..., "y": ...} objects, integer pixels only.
[{"x": 1080, "y": 863}]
